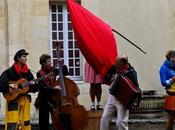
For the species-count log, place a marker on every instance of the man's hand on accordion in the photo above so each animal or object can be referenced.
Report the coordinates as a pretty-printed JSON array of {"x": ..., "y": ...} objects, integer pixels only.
[
  {"x": 114, "y": 77},
  {"x": 114, "y": 80}
]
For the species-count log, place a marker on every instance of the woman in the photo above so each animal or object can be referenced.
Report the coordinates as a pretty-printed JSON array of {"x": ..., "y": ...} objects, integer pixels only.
[
  {"x": 95, "y": 91},
  {"x": 167, "y": 78}
]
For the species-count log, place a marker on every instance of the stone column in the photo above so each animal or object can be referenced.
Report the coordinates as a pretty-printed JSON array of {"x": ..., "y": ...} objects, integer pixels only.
[
  {"x": 40, "y": 31},
  {"x": 3, "y": 48},
  {"x": 15, "y": 27},
  {"x": 28, "y": 27},
  {"x": 23, "y": 24},
  {"x": 3, "y": 35}
]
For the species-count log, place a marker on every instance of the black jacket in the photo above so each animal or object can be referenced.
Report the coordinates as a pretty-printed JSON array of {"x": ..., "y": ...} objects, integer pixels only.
[
  {"x": 131, "y": 74},
  {"x": 43, "y": 86},
  {"x": 11, "y": 75}
]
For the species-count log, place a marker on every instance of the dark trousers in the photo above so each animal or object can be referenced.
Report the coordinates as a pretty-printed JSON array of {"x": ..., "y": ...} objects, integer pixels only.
[
  {"x": 44, "y": 116},
  {"x": 170, "y": 121}
]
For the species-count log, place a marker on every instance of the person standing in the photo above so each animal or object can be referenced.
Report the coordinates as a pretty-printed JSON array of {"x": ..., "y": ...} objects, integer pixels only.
[
  {"x": 48, "y": 90},
  {"x": 121, "y": 66},
  {"x": 167, "y": 78},
  {"x": 17, "y": 113},
  {"x": 95, "y": 91}
]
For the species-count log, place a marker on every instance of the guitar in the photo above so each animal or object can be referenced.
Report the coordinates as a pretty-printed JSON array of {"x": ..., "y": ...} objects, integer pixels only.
[{"x": 23, "y": 87}]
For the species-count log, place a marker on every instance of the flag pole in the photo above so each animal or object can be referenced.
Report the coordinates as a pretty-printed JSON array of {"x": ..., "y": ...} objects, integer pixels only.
[{"x": 128, "y": 41}]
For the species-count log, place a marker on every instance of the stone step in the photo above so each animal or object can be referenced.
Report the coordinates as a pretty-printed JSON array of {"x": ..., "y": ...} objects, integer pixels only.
[
  {"x": 143, "y": 124},
  {"x": 134, "y": 124}
]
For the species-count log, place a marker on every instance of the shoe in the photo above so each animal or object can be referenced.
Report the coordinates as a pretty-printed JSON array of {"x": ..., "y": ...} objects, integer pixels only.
[
  {"x": 99, "y": 107},
  {"x": 92, "y": 107}
]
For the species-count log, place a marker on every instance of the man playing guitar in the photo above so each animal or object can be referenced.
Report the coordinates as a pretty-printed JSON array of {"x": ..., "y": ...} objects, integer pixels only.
[{"x": 17, "y": 115}]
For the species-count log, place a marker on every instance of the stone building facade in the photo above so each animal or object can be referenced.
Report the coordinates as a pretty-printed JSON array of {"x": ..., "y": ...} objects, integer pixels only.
[{"x": 34, "y": 25}]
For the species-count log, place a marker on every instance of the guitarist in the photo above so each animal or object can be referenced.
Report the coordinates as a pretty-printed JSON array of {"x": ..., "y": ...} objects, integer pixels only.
[
  {"x": 49, "y": 89},
  {"x": 17, "y": 115}
]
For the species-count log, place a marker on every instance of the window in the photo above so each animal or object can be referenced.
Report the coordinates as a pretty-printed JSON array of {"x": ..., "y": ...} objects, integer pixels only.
[{"x": 61, "y": 28}]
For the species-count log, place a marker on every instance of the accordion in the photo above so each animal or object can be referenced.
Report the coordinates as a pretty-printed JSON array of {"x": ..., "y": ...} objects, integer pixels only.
[{"x": 125, "y": 91}]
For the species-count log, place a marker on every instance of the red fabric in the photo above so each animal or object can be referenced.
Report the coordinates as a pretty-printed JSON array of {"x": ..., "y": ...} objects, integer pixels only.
[
  {"x": 20, "y": 69},
  {"x": 94, "y": 38}
]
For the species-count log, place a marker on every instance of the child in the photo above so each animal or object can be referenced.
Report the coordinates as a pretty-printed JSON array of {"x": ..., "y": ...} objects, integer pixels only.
[{"x": 95, "y": 81}]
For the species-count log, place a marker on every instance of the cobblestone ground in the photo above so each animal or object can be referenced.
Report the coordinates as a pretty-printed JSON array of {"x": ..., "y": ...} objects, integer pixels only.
[{"x": 144, "y": 124}]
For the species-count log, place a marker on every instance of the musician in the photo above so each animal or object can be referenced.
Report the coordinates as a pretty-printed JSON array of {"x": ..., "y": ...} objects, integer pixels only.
[
  {"x": 17, "y": 115},
  {"x": 167, "y": 78},
  {"x": 121, "y": 66},
  {"x": 48, "y": 88}
]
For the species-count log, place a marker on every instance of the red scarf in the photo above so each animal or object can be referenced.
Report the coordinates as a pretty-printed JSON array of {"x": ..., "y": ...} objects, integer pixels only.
[{"x": 19, "y": 69}]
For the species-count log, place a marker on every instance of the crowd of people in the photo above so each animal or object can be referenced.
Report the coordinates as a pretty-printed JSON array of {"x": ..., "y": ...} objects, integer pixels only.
[{"x": 17, "y": 111}]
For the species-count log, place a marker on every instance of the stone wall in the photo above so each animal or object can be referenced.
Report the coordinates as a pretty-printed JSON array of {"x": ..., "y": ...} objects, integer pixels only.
[{"x": 148, "y": 23}]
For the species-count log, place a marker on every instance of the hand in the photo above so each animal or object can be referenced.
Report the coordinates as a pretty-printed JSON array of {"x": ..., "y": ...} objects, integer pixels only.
[
  {"x": 32, "y": 83},
  {"x": 173, "y": 78},
  {"x": 112, "y": 78},
  {"x": 57, "y": 87},
  {"x": 13, "y": 86}
]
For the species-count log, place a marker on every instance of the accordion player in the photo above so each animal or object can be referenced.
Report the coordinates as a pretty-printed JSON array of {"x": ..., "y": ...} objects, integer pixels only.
[{"x": 124, "y": 85}]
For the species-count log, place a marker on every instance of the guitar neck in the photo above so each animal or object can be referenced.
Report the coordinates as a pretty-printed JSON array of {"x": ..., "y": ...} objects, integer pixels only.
[
  {"x": 37, "y": 80},
  {"x": 43, "y": 77}
]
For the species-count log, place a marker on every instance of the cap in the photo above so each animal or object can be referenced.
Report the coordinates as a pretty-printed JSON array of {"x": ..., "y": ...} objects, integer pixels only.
[{"x": 20, "y": 53}]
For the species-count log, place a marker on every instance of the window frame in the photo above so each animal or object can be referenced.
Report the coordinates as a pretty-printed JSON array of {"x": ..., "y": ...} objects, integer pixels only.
[{"x": 65, "y": 41}]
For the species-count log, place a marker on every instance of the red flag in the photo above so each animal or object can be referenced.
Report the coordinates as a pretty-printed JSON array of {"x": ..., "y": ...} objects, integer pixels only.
[{"x": 94, "y": 38}]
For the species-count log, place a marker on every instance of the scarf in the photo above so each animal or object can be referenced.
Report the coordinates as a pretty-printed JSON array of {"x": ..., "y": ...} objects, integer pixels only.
[{"x": 19, "y": 69}]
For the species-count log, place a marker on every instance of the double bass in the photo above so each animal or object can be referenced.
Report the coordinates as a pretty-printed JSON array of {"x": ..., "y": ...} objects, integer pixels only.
[{"x": 67, "y": 114}]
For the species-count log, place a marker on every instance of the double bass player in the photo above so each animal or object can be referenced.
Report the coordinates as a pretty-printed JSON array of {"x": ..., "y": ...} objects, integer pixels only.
[
  {"x": 58, "y": 97},
  {"x": 47, "y": 89}
]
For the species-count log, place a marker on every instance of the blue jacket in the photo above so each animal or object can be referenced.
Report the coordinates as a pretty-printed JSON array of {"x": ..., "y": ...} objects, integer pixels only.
[{"x": 166, "y": 72}]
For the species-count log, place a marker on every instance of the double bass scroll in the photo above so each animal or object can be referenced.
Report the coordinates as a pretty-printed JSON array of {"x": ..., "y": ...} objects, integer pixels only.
[{"x": 69, "y": 114}]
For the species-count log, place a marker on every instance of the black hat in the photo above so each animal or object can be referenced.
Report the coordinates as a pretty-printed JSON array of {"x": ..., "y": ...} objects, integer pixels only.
[{"x": 19, "y": 54}]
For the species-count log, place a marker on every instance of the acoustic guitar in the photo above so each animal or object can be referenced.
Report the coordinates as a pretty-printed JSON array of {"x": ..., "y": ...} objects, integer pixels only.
[{"x": 23, "y": 87}]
